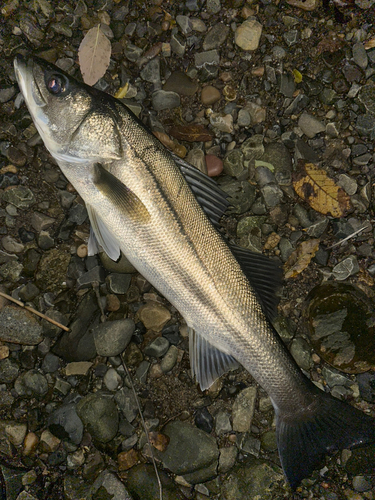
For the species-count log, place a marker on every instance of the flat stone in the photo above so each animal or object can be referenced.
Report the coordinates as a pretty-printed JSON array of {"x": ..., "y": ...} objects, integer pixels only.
[
  {"x": 111, "y": 484},
  {"x": 170, "y": 359},
  {"x": 11, "y": 245},
  {"x": 65, "y": 424},
  {"x": 154, "y": 316},
  {"x": 78, "y": 368},
  {"x": 216, "y": 36},
  {"x": 151, "y": 71},
  {"x": 162, "y": 99},
  {"x": 180, "y": 83},
  {"x": 19, "y": 196},
  {"x": 127, "y": 403},
  {"x": 157, "y": 348},
  {"x": 310, "y": 125},
  {"x": 19, "y": 326},
  {"x": 118, "y": 283},
  {"x": 247, "y": 35},
  {"x": 40, "y": 221},
  {"x": 243, "y": 409}
]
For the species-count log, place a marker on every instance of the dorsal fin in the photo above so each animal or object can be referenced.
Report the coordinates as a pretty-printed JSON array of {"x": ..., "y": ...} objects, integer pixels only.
[
  {"x": 265, "y": 276},
  {"x": 208, "y": 194}
]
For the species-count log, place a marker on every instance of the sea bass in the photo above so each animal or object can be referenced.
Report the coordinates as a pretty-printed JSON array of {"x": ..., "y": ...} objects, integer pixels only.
[{"x": 163, "y": 215}]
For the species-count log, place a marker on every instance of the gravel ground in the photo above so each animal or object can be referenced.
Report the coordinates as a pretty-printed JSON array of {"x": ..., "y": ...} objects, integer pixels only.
[{"x": 258, "y": 95}]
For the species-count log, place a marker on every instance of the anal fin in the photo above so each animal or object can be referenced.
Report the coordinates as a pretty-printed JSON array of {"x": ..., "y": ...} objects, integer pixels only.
[{"x": 206, "y": 361}]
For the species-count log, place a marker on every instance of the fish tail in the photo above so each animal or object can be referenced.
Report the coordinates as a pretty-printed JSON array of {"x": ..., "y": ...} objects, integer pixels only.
[{"x": 325, "y": 426}]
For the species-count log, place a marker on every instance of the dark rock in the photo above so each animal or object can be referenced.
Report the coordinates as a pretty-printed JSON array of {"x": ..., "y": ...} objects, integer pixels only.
[
  {"x": 99, "y": 414},
  {"x": 204, "y": 420},
  {"x": 65, "y": 424}
]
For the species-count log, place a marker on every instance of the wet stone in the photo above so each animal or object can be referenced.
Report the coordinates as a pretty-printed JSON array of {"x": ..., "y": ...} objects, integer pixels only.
[
  {"x": 157, "y": 348},
  {"x": 162, "y": 99},
  {"x": 216, "y": 36},
  {"x": 118, "y": 283},
  {"x": 241, "y": 195},
  {"x": 65, "y": 424},
  {"x": 247, "y": 35},
  {"x": 112, "y": 337},
  {"x": 204, "y": 420},
  {"x": 11, "y": 245},
  {"x": 210, "y": 95},
  {"x": 99, "y": 414},
  {"x": 19, "y": 326},
  {"x": 359, "y": 55},
  {"x": 19, "y": 196},
  {"x": 169, "y": 360},
  {"x": 51, "y": 363},
  {"x": 243, "y": 409},
  {"x": 180, "y": 83},
  {"x": 142, "y": 483},
  {"x": 9, "y": 371},
  {"x": 310, "y": 126},
  {"x": 189, "y": 449},
  {"x": 31, "y": 383},
  {"x": 28, "y": 292}
]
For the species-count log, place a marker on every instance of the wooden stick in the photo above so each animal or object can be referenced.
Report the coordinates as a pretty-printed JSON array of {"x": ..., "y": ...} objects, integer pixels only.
[{"x": 34, "y": 311}]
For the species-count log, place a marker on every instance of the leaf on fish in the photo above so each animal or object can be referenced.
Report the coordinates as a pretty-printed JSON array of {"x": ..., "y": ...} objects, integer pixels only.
[
  {"x": 191, "y": 133},
  {"x": 170, "y": 144},
  {"x": 320, "y": 191},
  {"x": 301, "y": 258},
  {"x": 94, "y": 55}
]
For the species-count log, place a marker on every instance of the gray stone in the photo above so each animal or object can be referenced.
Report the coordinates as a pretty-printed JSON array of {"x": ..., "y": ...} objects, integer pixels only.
[
  {"x": 114, "y": 488},
  {"x": 361, "y": 484},
  {"x": 310, "y": 125},
  {"x": 213, "y": 6},
  {"x": 41, "y": 221},
  {"x": 365, "y": 125},
  {"x": 9, "y": 371},
  {"x": 178, "y": 44},
  {"x": 359, "y": 55},
  {"x": 157, "y": 348},
  {"x": 142, "y": 371},
  {"x": 127, "y": 403},
  {"x": 254, "y": 479},
  {"x": 243, "y": 409},
  {"x": 31, "y": 383},
  {"x": 65, "y": 424},
  {"x": 277, "y": 155},
  {"x": 222, "y": 423},
  {"x": 287, "y": 85},
  {"x": 11, "y": 245},
  {"x": 233, "y": 163},
  {"x": 216, "y": 36},
  {"x": 51, "y": 363},
  {"x": 112, "y": 379},
  {"x": 264, "y": 176},
  {"x": 112, "y": 337},
  {"x": 227, "y": 459},
  {"x": 241, "y": 194},
  {"x": 203, "y": 59},
  {"x": 11, "y": 271},
  {"x": 169, "y": 360},
  {"x": 291, "y": 37},
  {"x": 7, "y": 92},
  {"x": 45, "y": 241},
  {"x": 151, "y": 71},
  {"x": 132, "y": 52},
  {"x": 184, "y": 23},
  {"x": 250, "y": 445},
  {"x": 19, "y": 326},
  {"x": 272, "y": 195},
  {"x": 122, "y": 266},
  {"x": 99, "y": 414},
  {"x": 300, "y": 350},
  {"x": 19, "y": 196},
  {"x": 348, "y": 184},
  {"x": 162, "y": 99},
  {"x": 189, "y": 449},
  {"x": 345, "y": 268},
  {"x": 118, "y": 282},
  {"x": 244, "y": 119}
]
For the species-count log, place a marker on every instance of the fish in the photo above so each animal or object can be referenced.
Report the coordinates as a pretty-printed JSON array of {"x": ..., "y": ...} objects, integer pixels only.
[{"x": 163, "y": 214}]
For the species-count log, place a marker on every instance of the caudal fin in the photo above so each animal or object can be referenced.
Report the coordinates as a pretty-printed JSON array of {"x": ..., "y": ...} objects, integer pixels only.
[{"x": 326, "y": 426}]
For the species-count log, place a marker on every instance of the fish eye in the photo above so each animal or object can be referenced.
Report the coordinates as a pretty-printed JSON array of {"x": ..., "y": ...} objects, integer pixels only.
[{"x": 56, "y": 84}]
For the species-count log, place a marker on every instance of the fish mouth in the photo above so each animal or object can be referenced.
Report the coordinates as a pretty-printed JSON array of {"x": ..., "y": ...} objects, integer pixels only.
[{"x": 24, "y": 71}]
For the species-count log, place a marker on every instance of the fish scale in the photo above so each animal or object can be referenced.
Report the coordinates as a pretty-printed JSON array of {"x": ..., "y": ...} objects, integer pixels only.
[{"x": 140, "y": 202}]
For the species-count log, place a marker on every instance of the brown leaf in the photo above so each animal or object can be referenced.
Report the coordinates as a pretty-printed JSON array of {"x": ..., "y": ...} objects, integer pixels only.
[
  {"x": 169, "y": 143},
  {"x": 158, "y": 440},
  {"x": 94, "y": 54},
  {"x": 191, "y": 133},
  {"x": 127, "y": 459},
  {"x": 322, "y": 194},
  {"x": 300, "y": 258}
]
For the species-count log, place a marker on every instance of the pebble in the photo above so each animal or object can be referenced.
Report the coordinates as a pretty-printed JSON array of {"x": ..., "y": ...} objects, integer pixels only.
[
  {"x": 112, "y": 337},
  {"x": 154, "y": 316},
  {"x": 127, "y": 403},
  {"x": 110, "y": 486},
  {"x": 99, "y": 414},
  {"x": 19, "y": 326},
  {"x": 204, "y": 420},
  {"x": 19, "y": 196},
  {"x": 31, "y": 383},
  {"x": 170, "y": 359},
  {"x": 180, "y": 83},
  {"x": 214, "y": 165},
  {"x": 247, "y": 34},
  {"x": 310, "y": 125},
  {"x": 157, "y": 348},
  {"x": 16, "y": 433},
  {"x": 216, "y": 36},
  {"x": 210, "y": 95},
  {"x": 40, "y": 221},
  {"x": 112, "y": 380},
  {"x": 347, "y": 267},
  {"x": 222, "y": 122},
  {"x": 118, "y": 283},
  {"x": 162, "y": 99},
  {"x": 222, "y": 423},
  {"x": 243, "y": 409},
  {"x": 11, "y": 245}
]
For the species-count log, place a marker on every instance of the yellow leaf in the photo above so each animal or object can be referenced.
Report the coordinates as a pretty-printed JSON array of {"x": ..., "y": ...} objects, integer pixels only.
[
  {"x": 322, "y": 194},
  {"x": 297, "y": 76},
  {"x": 122, "y": 91},
  {"x": 300, "y": 258}
]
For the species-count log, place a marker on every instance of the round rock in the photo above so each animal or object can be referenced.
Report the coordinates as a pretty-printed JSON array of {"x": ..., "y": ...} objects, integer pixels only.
[
  {"x": 162, "y": 99},
  {"x": 112, "y": 337},
  {"x": 100, "y": 416},
  {"x": 247, "y": 35},
  {"x": 19, "y": 326}
]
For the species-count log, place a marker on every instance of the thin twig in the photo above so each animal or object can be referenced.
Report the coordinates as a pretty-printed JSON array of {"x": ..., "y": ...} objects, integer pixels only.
[
  {"x": 144, "y": 426},
  {"x": 348, "y": 237},
  {"x": 34, "y": 311}
]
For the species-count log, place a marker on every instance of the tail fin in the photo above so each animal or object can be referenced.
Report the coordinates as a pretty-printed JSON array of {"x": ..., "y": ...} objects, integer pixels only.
[{"x": 325, "y": 426}]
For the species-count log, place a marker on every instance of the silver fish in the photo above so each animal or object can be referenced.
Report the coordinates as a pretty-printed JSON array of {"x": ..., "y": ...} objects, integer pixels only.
[{"x": 161, "y": 213}]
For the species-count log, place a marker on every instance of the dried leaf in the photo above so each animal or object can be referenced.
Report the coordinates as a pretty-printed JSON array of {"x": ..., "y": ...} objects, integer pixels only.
[
  {"x": 158, "y": 440},
  {"x": 322, "y": 194},
  {"x": 297, "y": 76},
  {"x": 370, "y": 44},
  {"x": 300, "y": 258},
  {"x": 169, "y": 143},
  {"x": 94, "y": 54},
  {"x": 127, "y": 459},
  {"x": 191, "y": 133}
]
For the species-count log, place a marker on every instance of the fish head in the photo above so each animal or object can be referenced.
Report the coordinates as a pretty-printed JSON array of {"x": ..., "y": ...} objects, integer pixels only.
[{"x": 76, "y": 122}]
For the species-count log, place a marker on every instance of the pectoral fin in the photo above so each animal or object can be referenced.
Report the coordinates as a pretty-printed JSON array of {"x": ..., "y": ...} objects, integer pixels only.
[
  {"x": 206, "y": 361},
  {"x": 102, "y": 235},
  {"x": 123, "y": 198}
]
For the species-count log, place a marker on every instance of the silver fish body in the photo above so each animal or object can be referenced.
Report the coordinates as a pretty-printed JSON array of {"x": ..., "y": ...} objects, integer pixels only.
[{"x": 140, "y": 203}]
